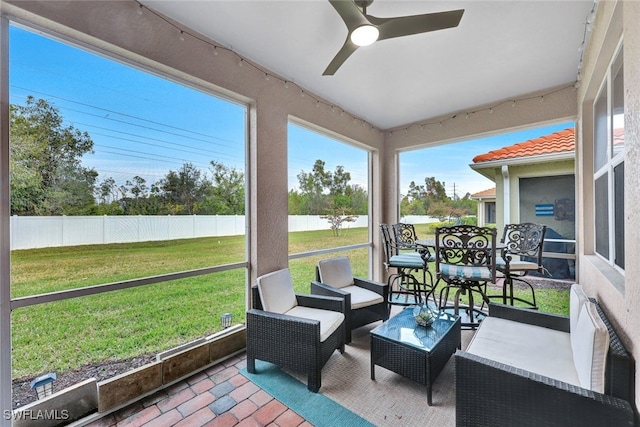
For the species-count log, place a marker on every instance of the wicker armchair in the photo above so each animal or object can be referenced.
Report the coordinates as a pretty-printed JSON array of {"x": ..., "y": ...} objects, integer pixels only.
[
  {"x": 489, "y": 393},
  {"x": 298, "y": 332},
  {"x": 365, "y": 301}
]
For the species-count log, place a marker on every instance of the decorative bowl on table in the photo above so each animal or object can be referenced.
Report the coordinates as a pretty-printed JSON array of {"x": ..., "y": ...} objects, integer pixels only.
[{"x": 424, "y": 315}]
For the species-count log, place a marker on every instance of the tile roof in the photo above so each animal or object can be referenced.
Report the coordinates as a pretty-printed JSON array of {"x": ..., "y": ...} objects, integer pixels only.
[
  {"x": 558, "y": 142},
  {"x": 491, "y": 192}
]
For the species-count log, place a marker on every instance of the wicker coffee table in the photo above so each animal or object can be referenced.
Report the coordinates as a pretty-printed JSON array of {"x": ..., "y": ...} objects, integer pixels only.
[{"x": 416, "y": 352}]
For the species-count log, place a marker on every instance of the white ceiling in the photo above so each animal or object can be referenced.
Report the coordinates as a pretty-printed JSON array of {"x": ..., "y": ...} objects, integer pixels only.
[{"x": 500, "y": 50}]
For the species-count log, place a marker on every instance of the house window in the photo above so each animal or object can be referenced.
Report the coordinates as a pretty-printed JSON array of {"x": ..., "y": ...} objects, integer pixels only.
[
  {"x": 490, "y": 212},
  {"x": 608, "y": 165}
]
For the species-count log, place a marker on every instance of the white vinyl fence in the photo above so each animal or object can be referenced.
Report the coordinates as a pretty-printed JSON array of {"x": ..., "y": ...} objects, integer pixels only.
[{"x": 29, "y": 232}]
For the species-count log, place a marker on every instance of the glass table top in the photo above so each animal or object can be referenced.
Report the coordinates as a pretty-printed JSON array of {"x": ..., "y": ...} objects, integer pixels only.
[{"x": 403, "y": 328}]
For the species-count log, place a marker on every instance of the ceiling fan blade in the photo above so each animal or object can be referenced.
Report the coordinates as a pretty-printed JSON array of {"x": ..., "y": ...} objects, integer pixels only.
[
  {"x": 350, "y": 13},
  {"x": 347, "y": 49},
  {"x": 415, "y": 24}
]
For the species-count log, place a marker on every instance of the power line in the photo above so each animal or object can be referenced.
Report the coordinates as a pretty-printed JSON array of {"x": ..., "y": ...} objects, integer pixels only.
[
  {"x": 157, "y": 158},
  {"x": 124, "y": 115},
  {"x": 181, "y": 149}
]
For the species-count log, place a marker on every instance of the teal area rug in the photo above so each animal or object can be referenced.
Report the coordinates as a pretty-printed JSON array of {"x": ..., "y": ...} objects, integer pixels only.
[{"x": 319, "y": 410}]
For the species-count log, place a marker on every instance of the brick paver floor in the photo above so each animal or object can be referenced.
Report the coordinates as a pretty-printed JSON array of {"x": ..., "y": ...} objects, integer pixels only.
[{"x": 217, "y": 397}]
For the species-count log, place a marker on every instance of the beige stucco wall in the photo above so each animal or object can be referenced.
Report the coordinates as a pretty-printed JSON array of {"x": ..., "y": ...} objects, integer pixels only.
[
  {"x": 147, "y": 41},
  {"x": 619, "y": 294}
]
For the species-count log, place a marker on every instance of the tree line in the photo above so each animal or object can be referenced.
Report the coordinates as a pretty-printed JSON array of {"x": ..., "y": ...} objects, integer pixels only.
[
  {"x": 431, "y": 199},
  {"x": 48, "y": 178}
]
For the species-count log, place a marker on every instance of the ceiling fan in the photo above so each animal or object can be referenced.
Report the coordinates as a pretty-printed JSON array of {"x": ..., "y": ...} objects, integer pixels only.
[{"x": 366, "y": 29}]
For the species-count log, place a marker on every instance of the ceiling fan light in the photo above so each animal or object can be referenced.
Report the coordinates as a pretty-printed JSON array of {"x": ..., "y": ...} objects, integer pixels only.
[{"x": 365, "y": 35}]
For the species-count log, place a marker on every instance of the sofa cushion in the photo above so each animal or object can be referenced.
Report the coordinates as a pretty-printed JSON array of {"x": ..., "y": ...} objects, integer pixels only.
[
  {"x": 577, "y": 298},
  {"x": 276, "y": 291},
  {"x": 329, "y": 320},
  {"x": 361, "y": 297},
  {"x": 532, "y": 348},
  {"x": 336, "y": 272},
  {"x": 590, "y": 344}
]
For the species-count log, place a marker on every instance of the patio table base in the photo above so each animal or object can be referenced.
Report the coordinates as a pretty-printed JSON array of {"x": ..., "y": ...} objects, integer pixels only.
[{"x": 415, "y": 352}]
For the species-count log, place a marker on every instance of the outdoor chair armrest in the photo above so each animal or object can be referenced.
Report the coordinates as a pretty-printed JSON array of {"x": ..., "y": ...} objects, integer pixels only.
[
  {"x": 319, "y": 288},
  {"x": 284, "y": 328},
  {"x": 321, "y": 302},
  {"x": 493, "y": 394},
  {"x": 531, "y": 317},
  {"x": 377, "y": 287}
]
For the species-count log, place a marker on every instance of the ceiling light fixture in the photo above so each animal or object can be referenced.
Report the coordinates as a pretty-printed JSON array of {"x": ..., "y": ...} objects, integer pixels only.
[
  {"x": 241, "y": 61},
  {"x": 365, "y": 35}
]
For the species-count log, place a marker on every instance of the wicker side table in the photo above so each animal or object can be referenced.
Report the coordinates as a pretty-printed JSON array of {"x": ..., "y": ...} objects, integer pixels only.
[{"x": 415, "y": 352}]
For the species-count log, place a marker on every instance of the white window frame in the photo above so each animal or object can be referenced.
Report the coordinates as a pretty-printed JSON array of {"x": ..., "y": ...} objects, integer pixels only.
[{"x": 612, "y": 161}]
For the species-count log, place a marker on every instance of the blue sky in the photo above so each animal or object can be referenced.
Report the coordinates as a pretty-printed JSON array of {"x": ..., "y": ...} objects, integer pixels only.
[
  {"x": 146, "y": 125},
  {"x": 141, "y": 124},
  {"x": 450, "y": 163}
]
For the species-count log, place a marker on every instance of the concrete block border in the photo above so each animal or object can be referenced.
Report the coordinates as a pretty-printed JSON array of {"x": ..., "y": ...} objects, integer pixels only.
[{"x": 90, "y": 400}]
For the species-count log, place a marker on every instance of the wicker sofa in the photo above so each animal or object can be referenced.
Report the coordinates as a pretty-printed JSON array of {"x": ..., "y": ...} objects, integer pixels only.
[{"x": 517, "y": 370}]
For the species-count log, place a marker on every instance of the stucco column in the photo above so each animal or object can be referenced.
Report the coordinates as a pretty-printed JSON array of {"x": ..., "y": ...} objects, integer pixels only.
[
  {"x": 506, "y": 195},
  {"x": 269, "y": 242},
  {"x": 389, "y": 207}
]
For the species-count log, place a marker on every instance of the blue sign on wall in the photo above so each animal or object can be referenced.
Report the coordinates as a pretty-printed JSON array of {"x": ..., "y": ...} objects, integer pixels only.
[{"x": 544, "y": 209}]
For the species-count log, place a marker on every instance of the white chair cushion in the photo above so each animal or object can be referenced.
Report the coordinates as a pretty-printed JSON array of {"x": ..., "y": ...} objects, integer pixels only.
[
  {"x": 590, "y": 344},
  {"x": 276, "y": 291},
  {"x": 577, "y": 298},
  {"x": 329, "y": 320},
  {"x": 336, "y": 272},
  {"x": 532, "y": 348},
  {"x": 517, "y": 264},
  {"x": 361, "y": 297}
]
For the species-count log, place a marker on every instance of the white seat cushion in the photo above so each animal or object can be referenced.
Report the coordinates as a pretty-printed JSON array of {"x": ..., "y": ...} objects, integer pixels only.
[
  {"x": 276, "y": 291},
  {"x": 535, "y": 349},
  {"x": 517, "y": 264},
  {"x": 329, "y": 320},
  {"x": 336, "y": 272},
  {"x": 577, "y": 298},
  {"x": 361, "y": 297},
  {"x": 590, "y": 344}
]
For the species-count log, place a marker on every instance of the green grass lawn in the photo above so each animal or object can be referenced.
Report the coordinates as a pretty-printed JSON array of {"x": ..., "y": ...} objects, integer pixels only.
[{"x": 122, "y": 324}]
